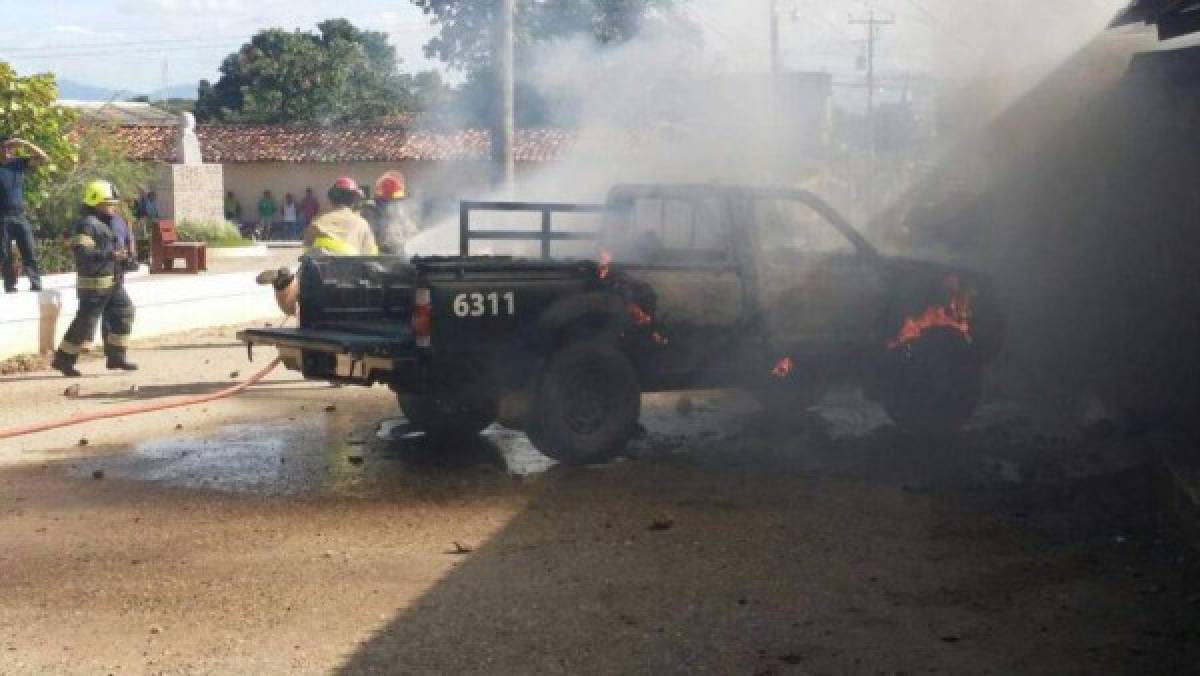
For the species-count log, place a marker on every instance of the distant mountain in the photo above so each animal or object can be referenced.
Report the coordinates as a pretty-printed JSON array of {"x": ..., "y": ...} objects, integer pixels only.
[
  {"x": 178, "y": 91},
  {"x": 76, "y": 91},
  {"x": 68, "y": 89}
]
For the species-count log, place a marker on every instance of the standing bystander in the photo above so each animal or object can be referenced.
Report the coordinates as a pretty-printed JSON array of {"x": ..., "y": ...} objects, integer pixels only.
[
  {"x": 150, "y": 210},
  {"x": 266, "y": 214},
  {"x": 14, "y": 225},
  {"x": 233, "y": 208},
  {"x": 310, "y": 206},
  {"x": 291, "y": 219}
]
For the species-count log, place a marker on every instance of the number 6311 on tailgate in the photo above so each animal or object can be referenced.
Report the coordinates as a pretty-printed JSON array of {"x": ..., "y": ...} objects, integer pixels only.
[{"x": 485, "y": 304}]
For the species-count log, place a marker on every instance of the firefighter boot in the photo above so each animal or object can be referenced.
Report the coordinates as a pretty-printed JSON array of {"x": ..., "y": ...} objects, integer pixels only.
[
  {"x": 65, "y": 364},
  {"x": 118, "y": 362}
]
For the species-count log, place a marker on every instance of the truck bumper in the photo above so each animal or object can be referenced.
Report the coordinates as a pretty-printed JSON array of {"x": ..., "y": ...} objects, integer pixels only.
[{"x": 341, "y": 357}]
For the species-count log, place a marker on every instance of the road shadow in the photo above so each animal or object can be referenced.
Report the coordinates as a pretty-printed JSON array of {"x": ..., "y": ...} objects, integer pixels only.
[
  {"x": 735, "y": 562},
  {"x": 51, "y": 376},
  {"x": 197, "y": 388},
  {"x": 191, "y": 346}
]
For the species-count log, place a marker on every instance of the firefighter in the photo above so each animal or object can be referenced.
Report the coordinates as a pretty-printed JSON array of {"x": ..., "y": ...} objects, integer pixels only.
[
  {"x": 101, "y": 260},
  {"x": 341, "y": 232},
  {"x": 388, "y": 214}
]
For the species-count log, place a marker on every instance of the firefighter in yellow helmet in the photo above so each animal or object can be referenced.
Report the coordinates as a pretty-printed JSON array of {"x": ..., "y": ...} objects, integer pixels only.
[
  {"x": 341, "y": 232},
  {"x": 101, "y": 260}
]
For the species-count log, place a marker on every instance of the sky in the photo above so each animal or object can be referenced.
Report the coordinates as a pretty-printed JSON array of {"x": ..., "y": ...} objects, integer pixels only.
[{"x": 126, "y": 44}]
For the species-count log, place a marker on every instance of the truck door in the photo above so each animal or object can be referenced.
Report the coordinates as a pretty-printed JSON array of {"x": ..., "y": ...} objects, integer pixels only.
[
  {"x": 681, "y": 247},
  {"x": 818, "y": 292}
]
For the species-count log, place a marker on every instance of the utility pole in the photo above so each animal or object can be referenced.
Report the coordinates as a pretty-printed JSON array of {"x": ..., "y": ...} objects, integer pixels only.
[
  {"x": 504, "y": 133},
  {"x": 873, "y": 23}
]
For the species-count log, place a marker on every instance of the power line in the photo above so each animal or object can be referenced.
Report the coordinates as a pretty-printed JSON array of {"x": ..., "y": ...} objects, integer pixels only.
[
  {"x": 113, "y": 53},
  {"x": 873, "y": 23},
  {"x": 110, "y": 45},
  {"x": 829, "y": 24}
]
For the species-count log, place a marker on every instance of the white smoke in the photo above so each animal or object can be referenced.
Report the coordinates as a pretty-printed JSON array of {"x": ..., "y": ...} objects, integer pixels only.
[{"x": 691, "y": 101}]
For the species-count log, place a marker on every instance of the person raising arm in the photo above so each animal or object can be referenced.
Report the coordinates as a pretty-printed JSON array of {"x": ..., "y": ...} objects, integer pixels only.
[{"x": 14, "y": 225}]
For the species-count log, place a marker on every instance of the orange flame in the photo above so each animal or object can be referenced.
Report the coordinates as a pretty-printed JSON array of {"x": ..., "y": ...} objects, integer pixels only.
[
  {"x": 956, "y": 315},
  {"x": 783, "y": 367},
  {"x": 640, "y": 316},
  {"x": 605, "y": 264}
]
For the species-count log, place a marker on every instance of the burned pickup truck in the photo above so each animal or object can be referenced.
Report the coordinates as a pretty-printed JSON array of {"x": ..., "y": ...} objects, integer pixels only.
[{"x": 670, "y": 288}]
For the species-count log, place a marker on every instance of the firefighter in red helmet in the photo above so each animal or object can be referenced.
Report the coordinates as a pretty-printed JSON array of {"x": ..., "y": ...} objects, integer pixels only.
[
  {"x": 388, "y": 214},
  {"x": 341, "y": 232}
]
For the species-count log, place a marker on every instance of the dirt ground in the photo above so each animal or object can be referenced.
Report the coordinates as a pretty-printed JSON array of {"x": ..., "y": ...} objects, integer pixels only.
[{"x": 299, "y": 529}]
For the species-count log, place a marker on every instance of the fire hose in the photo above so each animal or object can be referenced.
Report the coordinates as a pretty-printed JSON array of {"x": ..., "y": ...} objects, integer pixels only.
[{"x": 121, "y": 411}]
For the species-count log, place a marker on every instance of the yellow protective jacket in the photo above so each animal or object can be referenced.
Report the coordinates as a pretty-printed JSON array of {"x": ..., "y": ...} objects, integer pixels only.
[{"x": 341, "y": 232}]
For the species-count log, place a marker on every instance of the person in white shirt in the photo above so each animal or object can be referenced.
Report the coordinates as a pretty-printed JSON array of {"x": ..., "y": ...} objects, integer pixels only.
[{"x": 291, "y": 219}]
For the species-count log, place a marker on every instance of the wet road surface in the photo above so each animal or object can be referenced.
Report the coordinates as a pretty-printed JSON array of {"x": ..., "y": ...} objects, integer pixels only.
[{"x": 724, "y": 543}]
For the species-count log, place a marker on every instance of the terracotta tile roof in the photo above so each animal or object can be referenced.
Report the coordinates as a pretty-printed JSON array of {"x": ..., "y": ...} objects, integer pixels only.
[
  {"x": 149, "y": 142},
  {"x": 246, "y": 143},
  {"x": 233, "y": 144}
]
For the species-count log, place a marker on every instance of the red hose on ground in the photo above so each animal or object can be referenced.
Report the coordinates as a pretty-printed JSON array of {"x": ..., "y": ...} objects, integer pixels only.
[{"x": 121, "y": 411}]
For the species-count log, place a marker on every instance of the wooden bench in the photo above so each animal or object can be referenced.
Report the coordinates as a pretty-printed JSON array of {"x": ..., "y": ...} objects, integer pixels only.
[{"x": 165, "y": 249}]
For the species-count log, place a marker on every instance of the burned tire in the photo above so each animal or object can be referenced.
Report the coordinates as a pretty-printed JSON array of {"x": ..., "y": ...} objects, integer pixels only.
[
  {"x": 932, "y": 385},
  {"x": 447, "y": 418},
  {"x": 587, "y": 404}
]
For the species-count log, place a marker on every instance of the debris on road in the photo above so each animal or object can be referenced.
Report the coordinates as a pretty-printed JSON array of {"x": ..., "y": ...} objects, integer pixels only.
[
  {"x": 26, "y": 363},
  {"x": 98, "y": 474},
  {"x": 661, "y": 524},
  {"x": 71, "y": 392},
  {"x": 354, "y": 459},
  {"x": 460, "y": 549},
  {"x": 330, "y": 408}
]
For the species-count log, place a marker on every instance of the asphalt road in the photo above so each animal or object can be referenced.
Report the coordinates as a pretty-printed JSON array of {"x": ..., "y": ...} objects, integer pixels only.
[{"x": 300, "y": 529}]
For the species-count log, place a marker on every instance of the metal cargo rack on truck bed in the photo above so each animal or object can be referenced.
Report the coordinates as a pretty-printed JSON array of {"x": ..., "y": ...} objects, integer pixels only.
[{"x": 546, "y": 234}]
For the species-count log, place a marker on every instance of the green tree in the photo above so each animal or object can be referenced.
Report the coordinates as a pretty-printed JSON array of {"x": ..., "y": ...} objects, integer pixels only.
[
  {"x": 464, "y": 40},
  {"x": 28, "y": 110},
  {"x": 100, "y": 155},
  {"x": 340, "y": 74}
]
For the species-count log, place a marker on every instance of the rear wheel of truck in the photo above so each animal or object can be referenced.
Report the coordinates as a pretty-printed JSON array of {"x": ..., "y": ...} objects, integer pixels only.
[
  {"x": 933, "y": 384},
  {"x": 587, "y": 404},
  {"x": 446, "y": 418}
]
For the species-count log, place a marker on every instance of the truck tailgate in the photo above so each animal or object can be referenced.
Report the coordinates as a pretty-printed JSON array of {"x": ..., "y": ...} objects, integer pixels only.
[{"x": 329, "y": 341}]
